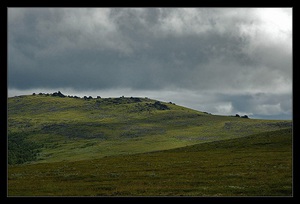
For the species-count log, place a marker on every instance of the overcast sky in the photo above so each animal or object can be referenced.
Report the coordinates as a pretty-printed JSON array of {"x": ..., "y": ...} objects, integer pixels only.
[{"x": 219, "y": 60}]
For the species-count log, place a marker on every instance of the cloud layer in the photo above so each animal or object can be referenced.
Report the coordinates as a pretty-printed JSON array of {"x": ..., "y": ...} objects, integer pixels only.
[{"x": 232, "y": 55}]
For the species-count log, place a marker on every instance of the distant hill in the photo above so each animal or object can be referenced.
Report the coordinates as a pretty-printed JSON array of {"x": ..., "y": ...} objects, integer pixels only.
[{"x": 55, "y": 127}]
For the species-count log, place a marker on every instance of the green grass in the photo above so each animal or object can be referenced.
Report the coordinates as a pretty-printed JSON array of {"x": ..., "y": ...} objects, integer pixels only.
[
  {"x": 131, "y": 147},
  {"x": 256, "y": 165},
  {"x": 72, "y": 129}
]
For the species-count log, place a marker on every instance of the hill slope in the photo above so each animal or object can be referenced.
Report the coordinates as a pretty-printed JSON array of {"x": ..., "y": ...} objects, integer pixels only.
[
  {"x": 72, "y": 129},
  {"x": 256, "y": 165}
]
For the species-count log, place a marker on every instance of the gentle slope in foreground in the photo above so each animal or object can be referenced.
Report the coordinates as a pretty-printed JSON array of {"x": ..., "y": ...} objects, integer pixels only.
[{"x": 256, "y": 165}]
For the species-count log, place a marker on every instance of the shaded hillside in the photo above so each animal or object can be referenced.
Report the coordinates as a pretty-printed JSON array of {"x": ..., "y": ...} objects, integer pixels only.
[{"x": 256, "y": 165}]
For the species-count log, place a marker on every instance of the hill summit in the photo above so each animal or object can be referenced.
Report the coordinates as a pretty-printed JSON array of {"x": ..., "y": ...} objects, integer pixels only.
[{"x": 72, "y": 128}]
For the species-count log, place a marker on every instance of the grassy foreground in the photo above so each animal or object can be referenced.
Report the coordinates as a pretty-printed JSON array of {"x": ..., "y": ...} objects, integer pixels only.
[{"x": 255, "y": 165}]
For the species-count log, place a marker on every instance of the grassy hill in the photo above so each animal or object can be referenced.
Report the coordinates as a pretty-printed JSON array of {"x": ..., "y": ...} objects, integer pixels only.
[
  {"x": 68, "y": 129},
  {"x": 256, "y": 165},
  {"x": 57, "y": 142}
]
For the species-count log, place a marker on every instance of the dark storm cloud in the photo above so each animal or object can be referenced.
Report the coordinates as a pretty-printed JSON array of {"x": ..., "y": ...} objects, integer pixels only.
[{"x": 229, "y": 50}]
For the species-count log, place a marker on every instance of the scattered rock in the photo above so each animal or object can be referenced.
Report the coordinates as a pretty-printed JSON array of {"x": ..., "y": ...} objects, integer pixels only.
[{"x": 59, "y": 94}]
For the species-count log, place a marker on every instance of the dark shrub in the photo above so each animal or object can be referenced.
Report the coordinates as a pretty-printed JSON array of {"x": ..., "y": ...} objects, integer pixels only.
[
  {"x": 59, "y": 94},
  {"x": 133, "y": 99},
  {"x": 158, "y": 105},
  {"x": 21, "y": 150}
]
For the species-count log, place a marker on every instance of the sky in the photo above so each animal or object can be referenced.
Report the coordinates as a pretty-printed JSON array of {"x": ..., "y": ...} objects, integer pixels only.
[{"x": 224, "y": 61}]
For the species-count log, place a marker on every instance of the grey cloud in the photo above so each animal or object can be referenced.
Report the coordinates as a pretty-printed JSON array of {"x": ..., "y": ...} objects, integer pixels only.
[
  {"x": 102, "y": 40},
  {"x": 259, "y": 104}
]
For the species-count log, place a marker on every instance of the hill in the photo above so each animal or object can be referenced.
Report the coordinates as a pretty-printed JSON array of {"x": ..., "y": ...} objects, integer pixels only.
[
  {"x": 129, "y": 146},
  {"x": 255, "y": 165},
  {"x": 59, "y": 128}
]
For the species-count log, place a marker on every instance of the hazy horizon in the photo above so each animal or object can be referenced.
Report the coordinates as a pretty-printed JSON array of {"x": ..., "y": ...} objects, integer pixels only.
[{"x": 166, "y": 96}]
